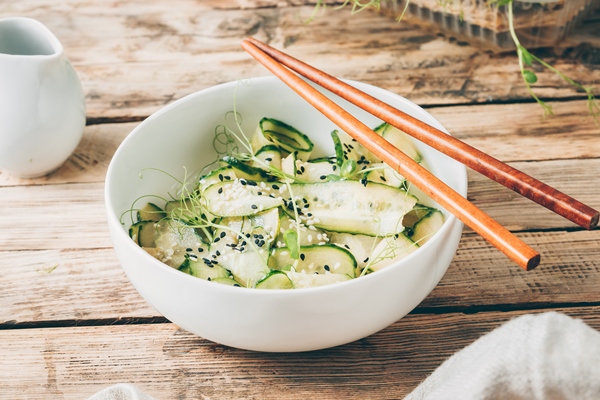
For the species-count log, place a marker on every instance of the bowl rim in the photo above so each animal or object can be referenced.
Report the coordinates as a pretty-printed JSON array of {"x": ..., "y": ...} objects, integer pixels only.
[{"x": 113, "y": 216}]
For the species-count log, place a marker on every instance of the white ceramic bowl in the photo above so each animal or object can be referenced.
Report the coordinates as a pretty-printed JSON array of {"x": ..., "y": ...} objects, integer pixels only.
[{"x": 182, "y": 134}]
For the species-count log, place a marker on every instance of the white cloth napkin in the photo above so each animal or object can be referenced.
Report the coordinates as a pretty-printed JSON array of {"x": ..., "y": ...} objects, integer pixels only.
[
  {"x": 121, "y": 391},
  {"x": 548, "y": 356}
]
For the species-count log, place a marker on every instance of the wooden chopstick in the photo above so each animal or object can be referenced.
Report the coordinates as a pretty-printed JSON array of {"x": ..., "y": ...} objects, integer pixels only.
[
  {"x": 492, "y": 231},
  {"x": 477, "y": 160}
]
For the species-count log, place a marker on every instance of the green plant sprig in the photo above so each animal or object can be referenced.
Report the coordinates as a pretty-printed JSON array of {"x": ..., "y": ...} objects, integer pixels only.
[{"x": 525, "y": 58}]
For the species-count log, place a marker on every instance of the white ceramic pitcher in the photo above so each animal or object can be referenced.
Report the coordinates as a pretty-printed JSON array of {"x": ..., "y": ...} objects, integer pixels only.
[{"x": 42, "y": 105}]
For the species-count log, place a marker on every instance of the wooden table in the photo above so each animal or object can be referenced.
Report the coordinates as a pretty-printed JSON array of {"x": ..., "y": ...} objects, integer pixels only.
[{"x": 72, "y": 324}]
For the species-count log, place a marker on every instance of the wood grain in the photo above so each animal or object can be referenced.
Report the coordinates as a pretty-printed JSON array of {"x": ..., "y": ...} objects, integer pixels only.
[
  {"x": 75, "y": 286},
  {"x": 167, "y": 362},
  {"x": 134, "y": 57}
]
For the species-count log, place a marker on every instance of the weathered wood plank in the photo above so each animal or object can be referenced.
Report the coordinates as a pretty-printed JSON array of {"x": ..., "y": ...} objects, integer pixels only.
[
  {"x": 167, "y": 362},
  {"x": 525, "y": 136},
  {"x": 73, "y": 285},
  {"x": 134, "y": 57}
]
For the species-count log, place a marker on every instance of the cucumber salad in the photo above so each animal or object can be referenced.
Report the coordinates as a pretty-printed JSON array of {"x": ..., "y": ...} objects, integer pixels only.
[{"x": 272, "y": 217}]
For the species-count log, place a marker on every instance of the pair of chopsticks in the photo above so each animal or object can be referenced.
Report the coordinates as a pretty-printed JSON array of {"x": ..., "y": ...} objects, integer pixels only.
[{"x": 517, "y": 250}]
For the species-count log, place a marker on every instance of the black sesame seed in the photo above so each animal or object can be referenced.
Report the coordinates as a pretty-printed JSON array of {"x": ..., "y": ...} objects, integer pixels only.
[
  {"x": 227, "y": 177},
  {"x": 214, "y": 262},
  {"x": 346, "y": 246},
  {"x": 218, "y": 253},
  {"x": 383, "y": 178},
  {"x": 223, "y": 234},
  {"x": 302, "y": 168},
  {"x": 236, "y": 285},
  {"x": 221, "y": 177},
  {"x": 216, "y": 239},
  {"x": 366, "y": 260},
  {"x": 200, "y": 249},
  {"x": 259, "y": 193},
  {"x": 326, "y": 267},
  {"x": 208, "y": 279},
  {"x": 271, "y": 196},
  {"x": 220, "y": 190},
  {"x": 298, "y": 172},
  {"x": 268, "y": 159},
  {"x": 322, "y": 177},
  {"x": 254, "y": 206},
  {"x": 243, "y": 182},
  {"x": 251, "y": 183},
  {"x": 302, "y": 256},
  {"x": 334, "y": 167},
  {"x": 188, "y": 249},
  {"x": 275, "y": 187},
  {"x": 247, "y": 235}
]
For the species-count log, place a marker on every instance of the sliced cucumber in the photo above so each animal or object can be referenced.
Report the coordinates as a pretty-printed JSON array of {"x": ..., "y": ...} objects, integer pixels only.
[
  {"x": 143, "y": 233},
  {"x": 218, "y": 175},
  {"x": 270, "y": 155},
  {"x": 349, "y": 206},
  {"x": 415, "y": 215},
  {"x": 316, "y": 171},
  {"x": 307, "y": 236},
  {"x": 206, "y": 270},
  {"x": 302, "y": 280},
  {"x": 150, "y": 212},
  {"x": 361, "y": 246},
  {"x": 427, "y": 227},
  {"x": 227, "y": 281},
  {"x": 390, "y": 250},
  {"x": 246, "y": 171},
  {"x": 399, "y": 139},
  {"x": 174, "y": 238},
  {"x": 317, "y": 259},
  {"x": 275, "y": 280},
  {"x": 286, "y": 137},
  {"x": 288, "y": 166},
  {"x": 246, "y": 262},
  {"x": 239, "y": 198}
]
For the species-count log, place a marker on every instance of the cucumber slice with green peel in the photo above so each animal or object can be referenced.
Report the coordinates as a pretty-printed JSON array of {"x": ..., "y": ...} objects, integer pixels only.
[
  {"x": 150, "y": 212},
  {"x": 338, "y": 147},
  {"x": 227, "y": 281},
  {"x": 415, "y": 215},
  {"x": 316, "y": 171},
  {"x": 230, "y": 229},
  {"x": 390, "y": 250},
  {"x": 143, "y": 233},
  {"x": 218, "y": 175},
  {"x": 247, "y": 264},
  {"x": 239, "y": 198},
  {"x": 399, "y": 139},
  {"x": 304, "y": 280},
  {"x": 244, "y": 170},
  {"x": 275, "y": 280},
  {"x": 205, "y": 270},
  {"x": 176, "y": 240},
  {"x": 269, "y": 155},
  {"x": 353, "y": 150},
  {"x": 307, "y": 236},
  {"x": 427, "y": 227},
  {"x": 284, "y": 136},
  {"x": 385, "y": 175},
  {"x": 361, "y": 246},
  {"x": 288, "y": 167},
  {"x": 324, "y": 259},
  {"x": 349, "y": 206}
]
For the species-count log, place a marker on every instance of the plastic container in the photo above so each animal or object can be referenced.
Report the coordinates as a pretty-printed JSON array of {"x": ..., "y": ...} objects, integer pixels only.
[{"x": 540, "y": 23}]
